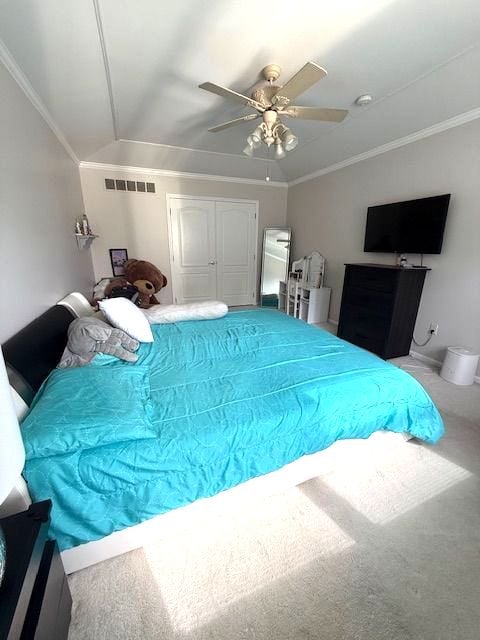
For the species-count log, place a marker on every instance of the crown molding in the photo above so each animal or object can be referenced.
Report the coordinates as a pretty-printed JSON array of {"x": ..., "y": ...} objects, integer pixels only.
[
  {"x": 451, "y": 123},
  {"x": 24, "y": 84},
  {"x": 99, "y": 166},
  {"x": 190, "y": 150}
]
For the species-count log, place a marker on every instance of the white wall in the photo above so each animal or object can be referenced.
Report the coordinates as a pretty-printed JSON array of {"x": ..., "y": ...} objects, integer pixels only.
[
  {"x": 138, "y": 221},
  {"x": 328, "y": 213},
  {"x": 40, "y": 195}
]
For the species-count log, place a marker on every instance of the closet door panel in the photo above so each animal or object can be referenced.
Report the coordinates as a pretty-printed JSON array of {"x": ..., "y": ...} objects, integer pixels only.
[
  {"x": 235, "y": 251},
  {"x": 193, "y": 245},
  {"x": 196, "y": 286}
]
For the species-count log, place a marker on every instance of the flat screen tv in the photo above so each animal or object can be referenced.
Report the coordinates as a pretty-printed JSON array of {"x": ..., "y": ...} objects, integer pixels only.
[{"x": 413, "y": 226}]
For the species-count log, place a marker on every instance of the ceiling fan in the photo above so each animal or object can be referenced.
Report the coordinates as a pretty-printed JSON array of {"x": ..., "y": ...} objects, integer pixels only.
[{"x": 270, "y": 102}]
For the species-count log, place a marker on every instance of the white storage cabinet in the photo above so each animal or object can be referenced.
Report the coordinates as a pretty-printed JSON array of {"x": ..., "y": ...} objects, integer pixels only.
[{"x": 306, "y": 303}]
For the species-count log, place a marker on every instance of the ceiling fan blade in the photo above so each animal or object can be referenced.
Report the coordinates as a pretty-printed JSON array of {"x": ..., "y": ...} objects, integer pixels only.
[
  {"x": 315, "y": 113},
  {"x": 233, "y": 95},
  {"x": 232, "y": 123},
  {"x": 308, "y": 75}
]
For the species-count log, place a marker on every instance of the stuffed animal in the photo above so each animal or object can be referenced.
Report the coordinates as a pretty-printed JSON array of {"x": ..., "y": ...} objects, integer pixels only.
[
  {"x": 89, "y": 336},
  {"x": 148, "y": 280},
  {"x": 121, "y": 288},
  {"x": 140, "y": 282}
]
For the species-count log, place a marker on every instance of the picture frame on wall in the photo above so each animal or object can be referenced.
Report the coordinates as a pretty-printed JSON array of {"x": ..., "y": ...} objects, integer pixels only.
[{"x": 118, "y": 257}]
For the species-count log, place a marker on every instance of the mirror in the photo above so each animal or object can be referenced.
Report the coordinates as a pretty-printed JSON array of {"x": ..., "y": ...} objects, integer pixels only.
[{"x": 275, "y": 263}]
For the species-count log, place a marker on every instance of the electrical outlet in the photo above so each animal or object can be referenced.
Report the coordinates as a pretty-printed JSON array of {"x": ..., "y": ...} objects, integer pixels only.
[{"x": 434, "y": 328}]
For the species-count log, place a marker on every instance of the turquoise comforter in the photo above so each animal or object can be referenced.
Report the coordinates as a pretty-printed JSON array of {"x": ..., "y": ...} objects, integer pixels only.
[{"x": 208, "y": 405}]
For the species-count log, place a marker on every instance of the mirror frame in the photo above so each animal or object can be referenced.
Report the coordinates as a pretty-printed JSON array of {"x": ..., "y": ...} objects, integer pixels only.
[{"x": 289, "y": 230}]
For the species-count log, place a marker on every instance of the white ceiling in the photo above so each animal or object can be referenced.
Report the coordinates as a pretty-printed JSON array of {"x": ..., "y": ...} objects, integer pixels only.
[{"x": 420, "y": 60}]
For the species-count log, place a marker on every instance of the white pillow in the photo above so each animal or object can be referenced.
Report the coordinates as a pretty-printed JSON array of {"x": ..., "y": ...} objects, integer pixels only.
[
  {"x": 124, "y": 315},
  {"x": 166, "y": 313}
]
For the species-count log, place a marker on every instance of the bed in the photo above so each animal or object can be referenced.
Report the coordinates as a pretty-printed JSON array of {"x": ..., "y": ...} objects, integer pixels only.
[{"x": 210, "y": 409}]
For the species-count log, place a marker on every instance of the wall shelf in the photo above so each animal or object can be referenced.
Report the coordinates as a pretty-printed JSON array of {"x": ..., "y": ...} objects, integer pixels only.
[{"x": 84, "y": 241}]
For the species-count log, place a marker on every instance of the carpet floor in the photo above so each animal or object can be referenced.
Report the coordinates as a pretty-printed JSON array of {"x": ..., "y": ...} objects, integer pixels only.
[{"x": 386, "y": 549}]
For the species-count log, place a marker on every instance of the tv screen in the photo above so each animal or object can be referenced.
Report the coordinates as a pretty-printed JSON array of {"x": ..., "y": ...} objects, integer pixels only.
[{"x": 413, "y": 226}]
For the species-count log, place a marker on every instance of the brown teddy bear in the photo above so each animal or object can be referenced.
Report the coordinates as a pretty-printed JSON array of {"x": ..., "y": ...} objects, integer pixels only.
[
  {"x": 144, "y": 277},
  {"x": 148, "y": 280}
]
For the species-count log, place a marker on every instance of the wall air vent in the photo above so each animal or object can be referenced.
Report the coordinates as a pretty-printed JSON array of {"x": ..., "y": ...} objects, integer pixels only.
[{"x": 129, "y": 185}]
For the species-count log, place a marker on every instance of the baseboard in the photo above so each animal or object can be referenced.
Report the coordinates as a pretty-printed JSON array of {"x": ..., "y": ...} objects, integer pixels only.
[
  {"x": 422, "y": 358},
  {"x": 432, "y": 361},
  {"x": 332, "y": 321}
]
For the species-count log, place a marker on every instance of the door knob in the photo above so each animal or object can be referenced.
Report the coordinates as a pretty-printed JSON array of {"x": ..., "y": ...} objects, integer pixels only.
[{"x": 212, "y": 262}]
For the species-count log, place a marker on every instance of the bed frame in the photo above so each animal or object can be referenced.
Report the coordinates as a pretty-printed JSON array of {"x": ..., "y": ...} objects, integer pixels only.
[{"x": 32, "y": 353}]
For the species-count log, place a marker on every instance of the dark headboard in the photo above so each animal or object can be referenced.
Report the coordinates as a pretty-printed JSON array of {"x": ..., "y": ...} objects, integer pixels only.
[{"x": 35, "y": 350}]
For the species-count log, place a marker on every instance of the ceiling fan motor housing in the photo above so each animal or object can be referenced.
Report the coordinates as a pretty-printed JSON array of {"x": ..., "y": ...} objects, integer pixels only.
[
  {"x": 264, "y": 95},
  {"x": 271, "y": 72}
]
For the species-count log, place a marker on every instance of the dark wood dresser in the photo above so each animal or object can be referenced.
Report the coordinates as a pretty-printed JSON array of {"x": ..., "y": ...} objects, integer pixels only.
[
  {"x": 379, "y": 307},
  {"x": 35, "y": 600}
]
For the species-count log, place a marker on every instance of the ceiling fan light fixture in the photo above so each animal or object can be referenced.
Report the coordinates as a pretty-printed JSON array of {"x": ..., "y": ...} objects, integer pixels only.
[
  {"x": 248, "y": 151},
  {"x": 255, "y": 138},
  {"x": 279, "y": 152},
  {"x": 289, "y": 140},
  {"x": 269, "y": 140}
]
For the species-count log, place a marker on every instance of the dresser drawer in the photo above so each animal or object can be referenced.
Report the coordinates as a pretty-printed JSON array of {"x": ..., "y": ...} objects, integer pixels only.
[
  {"x": 368, "y": 278},
  {"x": 367, "y": 317},
  {"x": 365, "y": 338},
  {"x": 378, "y": 303}
]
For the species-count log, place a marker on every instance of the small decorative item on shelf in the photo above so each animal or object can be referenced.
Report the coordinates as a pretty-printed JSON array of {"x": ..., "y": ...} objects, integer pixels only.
[
  {"x": 82, "y": 226},
  {"x": 83, "y": 232}
]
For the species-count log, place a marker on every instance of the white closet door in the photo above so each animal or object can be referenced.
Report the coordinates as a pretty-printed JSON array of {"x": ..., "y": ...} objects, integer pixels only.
[
  {"x": 236, "y": 245},
  {"x": 193, "y": 246}
]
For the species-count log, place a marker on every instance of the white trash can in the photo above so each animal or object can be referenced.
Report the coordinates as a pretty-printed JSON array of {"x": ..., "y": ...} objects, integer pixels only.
[{"x": 459, "y": 366}]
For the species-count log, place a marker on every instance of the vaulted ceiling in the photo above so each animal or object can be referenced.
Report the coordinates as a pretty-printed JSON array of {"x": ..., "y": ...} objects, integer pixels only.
[{"x": 115, "y": 74}]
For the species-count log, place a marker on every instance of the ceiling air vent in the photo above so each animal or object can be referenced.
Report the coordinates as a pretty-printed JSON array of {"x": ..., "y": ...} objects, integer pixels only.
[{"x": 129, "y": 185}]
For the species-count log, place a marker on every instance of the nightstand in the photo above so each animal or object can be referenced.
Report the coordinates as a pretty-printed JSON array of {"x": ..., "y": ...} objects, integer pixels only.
[{"x": 35, "y": 601}]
